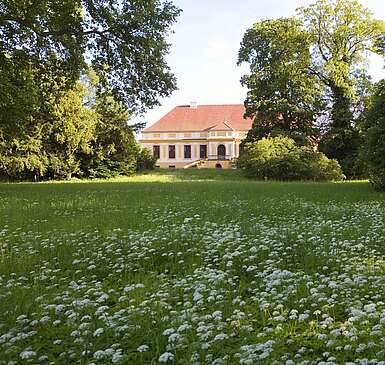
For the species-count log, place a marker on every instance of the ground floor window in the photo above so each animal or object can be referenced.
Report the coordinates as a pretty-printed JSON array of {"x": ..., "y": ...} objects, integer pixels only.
[
  {"x": 203, "y": 151},
  {"x": 187, "y": 151},
  {"x": 171, "y": 151},
  {"x": 156, "y": 151},
  {"x": 171, "y": 166}
]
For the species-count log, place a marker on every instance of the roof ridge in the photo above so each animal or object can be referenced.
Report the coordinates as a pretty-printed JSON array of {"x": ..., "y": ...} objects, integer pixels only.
[
  {"x": 204, "y": 117},
  {"x": 189, "y": 106}
]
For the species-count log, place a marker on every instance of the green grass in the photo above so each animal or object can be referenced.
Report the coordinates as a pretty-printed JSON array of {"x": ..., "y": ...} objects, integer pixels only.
[{"x": 193, "y": 266}]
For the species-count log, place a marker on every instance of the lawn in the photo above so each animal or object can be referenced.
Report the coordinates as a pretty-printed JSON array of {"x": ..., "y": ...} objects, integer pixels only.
[{"x": 192, "y": 267}]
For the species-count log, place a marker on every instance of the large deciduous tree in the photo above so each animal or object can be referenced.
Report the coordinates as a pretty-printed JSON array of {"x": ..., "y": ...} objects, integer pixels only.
[
  {"x": 339, "y": 35},
  {"x": 282, "y": 92},
  {"x": 342, "y": 32},
  {"x": 49, "y": 126},
  {"x": 124, "y": 41}
]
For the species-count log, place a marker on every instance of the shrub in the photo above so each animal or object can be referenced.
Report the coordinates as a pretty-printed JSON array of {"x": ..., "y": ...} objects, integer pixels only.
[
  {"x": 145, "y": 160},
  {"x": 280, "y": 158}
]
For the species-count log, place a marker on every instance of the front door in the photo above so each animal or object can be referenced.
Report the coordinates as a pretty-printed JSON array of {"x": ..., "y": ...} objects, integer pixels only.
[{"x": 221, "y": 152}]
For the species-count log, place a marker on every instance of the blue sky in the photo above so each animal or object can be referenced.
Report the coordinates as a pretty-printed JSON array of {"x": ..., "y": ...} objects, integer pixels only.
[{"x": 206, "y": 41}]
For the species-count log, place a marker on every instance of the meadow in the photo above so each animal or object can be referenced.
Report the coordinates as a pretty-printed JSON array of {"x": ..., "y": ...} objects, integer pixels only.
[{"x": 191, "y": 267}]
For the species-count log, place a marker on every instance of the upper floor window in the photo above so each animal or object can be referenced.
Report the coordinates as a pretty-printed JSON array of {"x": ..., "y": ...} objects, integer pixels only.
[
  {"x": 187, "y": 134},
  {"x": 187, "y": 151},
  {"x": 171, "y": 151},
  {"x": 156, "y": 135},
  {"x": 172, "y": 135},
  {"x": 156, "y": 151}
]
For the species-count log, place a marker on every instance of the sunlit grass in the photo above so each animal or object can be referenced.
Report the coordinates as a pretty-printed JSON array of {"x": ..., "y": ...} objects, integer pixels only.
[{"x": 193, "y": 266}]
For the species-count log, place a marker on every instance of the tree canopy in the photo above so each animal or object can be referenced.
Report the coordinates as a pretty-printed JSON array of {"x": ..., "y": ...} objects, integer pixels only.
[
  {"x": 123, "y": 41},
  {"x": 281, "y": 89},
  {"x": 328, "y": 42},
  {"x": 55, "y": 122}
]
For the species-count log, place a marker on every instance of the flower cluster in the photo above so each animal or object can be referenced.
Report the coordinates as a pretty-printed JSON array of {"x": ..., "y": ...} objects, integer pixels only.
[{"x": 299, "y": 282}]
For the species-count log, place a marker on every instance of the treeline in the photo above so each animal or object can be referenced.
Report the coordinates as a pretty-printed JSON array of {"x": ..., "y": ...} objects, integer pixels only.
[
  {"x": 309, "y": 82},
  {"x": 72, "y": 74},
  {"x": 53, "y": 132}
]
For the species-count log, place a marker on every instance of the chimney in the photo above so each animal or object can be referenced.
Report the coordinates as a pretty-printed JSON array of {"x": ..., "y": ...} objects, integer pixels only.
[{"x": 193, "y": 105}]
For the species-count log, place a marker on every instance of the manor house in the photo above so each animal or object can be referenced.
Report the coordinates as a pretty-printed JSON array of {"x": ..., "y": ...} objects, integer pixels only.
[{"x": 197, "y": 136}]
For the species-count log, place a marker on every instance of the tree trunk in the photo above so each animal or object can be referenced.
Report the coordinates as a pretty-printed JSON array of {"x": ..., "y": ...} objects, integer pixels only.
[{"x": 342, "y": 116}]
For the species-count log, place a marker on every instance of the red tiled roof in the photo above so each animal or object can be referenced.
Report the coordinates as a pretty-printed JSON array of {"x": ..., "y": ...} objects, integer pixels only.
[{"x": 203, "y": 117}]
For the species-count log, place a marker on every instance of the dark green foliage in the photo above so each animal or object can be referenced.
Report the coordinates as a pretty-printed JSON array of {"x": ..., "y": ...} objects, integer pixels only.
[
  {"x": 113, "y": 150},
  {"x": 51, "y": 125},
  {"x": 280, "y": 158},
  {"x": 375, "y": 137},
  {"x": 124, "y": 42},
  {"x": 145, "y": 161},
  {"x": 21, "y": 125},
  {"x": 343, "y": 144},
  {"x": 66, "y": 134},
  {"x": 282, "y": 94},
  {"x": 312, "y": 65}
]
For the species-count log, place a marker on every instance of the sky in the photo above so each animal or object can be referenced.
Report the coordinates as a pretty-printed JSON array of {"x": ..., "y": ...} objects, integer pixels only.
[{"x": 205, "y": 44}]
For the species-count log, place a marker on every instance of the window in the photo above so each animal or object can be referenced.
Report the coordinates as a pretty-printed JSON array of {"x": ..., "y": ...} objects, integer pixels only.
[
  {"x": 187, "y": 135},
  {"x": 172, "y": 135},
  {"x": 171, "y": 151},
  {"x": 221, "y": 152},
  {"x": 171, "y": 166},
  {"x": 187, "y": 151},
  {"x": 156, "y": 151},
  {"x": 156, "y": 135},
  {"x": 203, "y": 151}
]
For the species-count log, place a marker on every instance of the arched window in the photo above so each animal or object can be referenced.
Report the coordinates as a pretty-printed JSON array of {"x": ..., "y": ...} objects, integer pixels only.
[
  {"x": 221, "y": 152},
  {"x": 218, "y": 166}
]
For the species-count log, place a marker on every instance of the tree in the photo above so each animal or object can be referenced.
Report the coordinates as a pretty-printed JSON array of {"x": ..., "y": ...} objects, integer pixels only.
[
  {"x": 49, "y": 127},
  {"x": 374, "y": 122},
  {"x": 21, "y": 149},
  {"x": 124, "y": 41},
  {"x": 114, "y": 150},
  {"x": 282, "y": 94},
  {"x": 342, "y": 32},
  {"x": 69, "y": 134},
  {"x": 339, "y": 34}
]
